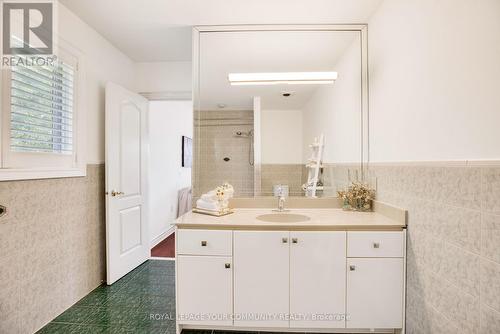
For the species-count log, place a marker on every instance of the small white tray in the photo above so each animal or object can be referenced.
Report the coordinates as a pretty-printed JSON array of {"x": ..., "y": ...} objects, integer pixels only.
[{"x": 213, "y": 213}]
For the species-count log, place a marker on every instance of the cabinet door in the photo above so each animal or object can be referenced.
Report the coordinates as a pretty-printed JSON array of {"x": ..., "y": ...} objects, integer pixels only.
[
  {"x": 317, "y": 279},
  {"x": 375, "y": 292},
  {"x": 261, "y": 278},
  {"x": 204, "y": 290}
]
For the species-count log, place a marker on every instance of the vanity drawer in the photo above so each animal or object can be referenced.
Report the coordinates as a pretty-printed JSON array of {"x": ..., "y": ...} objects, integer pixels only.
[
  {"x": 375, "y": 244},
  {"x": 204, "y": 242}
]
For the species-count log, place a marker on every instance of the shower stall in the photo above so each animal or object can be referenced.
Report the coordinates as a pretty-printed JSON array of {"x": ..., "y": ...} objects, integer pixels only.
[{"x": 224, "y": 149}]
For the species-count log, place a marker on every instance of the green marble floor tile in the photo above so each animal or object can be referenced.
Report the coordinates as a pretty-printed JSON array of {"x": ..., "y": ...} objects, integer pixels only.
[
  {"x": 98, "y": 297},
  {"x": 159, "y": 302},
  {"x": 74, "y": 315},
  {"x": 56, "y": 328},
  {"x": 113, "y": 315},
  {"x": 141, "y": 302},
  {"x": 150, "y": 289}
]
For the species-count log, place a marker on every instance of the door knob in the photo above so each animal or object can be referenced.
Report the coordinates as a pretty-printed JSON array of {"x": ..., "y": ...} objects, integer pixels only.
[
  {"x": 227, "y": 265},
  {"x": 203, "y": 243},
  {"x": 115, "y": 193}
]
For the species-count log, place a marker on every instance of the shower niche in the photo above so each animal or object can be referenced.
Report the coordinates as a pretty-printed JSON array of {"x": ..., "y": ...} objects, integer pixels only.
[{"x": 263, "y": 95}]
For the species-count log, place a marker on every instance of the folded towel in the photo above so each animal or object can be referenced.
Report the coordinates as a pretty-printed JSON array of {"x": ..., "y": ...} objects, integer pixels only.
[
  {"x": 210, "y": 196},
  {"x": 211, "y": 205}
]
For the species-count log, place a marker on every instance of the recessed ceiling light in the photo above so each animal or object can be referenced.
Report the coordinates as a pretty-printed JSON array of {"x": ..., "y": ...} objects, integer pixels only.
[{"x": 282, "y": 78}]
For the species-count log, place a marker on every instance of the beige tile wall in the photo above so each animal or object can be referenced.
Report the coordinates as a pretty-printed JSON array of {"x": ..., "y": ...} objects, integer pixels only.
[
  {"x": 52, "y": 247},
  {"x": 453, "y": 269},
  {"x": 213, "y": 141},
  {"x": 289, "y": 174}
]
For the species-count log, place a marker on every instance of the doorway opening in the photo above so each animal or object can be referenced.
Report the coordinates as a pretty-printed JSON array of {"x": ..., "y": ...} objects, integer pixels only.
[{"x": 170, "y": 129}]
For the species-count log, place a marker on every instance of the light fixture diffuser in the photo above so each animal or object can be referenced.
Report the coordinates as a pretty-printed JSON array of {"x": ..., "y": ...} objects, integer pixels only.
[{"x": 282, "y": 78}]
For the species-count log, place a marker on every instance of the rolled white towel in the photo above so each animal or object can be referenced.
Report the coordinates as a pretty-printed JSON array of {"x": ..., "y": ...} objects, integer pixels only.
[
  {"x": 210, "y": 196},
  {"x": 211, "y": 205}
]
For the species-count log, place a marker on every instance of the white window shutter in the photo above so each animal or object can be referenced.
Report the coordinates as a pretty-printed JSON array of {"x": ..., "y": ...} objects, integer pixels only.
[{"x": 42, "y": 109}]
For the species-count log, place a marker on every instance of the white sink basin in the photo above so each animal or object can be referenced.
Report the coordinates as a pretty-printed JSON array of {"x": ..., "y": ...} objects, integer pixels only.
[{"x": 283, "y": 218}]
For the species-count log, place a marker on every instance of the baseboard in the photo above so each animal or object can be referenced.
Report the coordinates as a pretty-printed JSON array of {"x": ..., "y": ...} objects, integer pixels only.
[{"x": 162, "y": 236}]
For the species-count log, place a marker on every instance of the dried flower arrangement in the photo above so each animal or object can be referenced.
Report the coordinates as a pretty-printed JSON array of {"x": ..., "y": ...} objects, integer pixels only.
[{"x": 358, "y": 197}]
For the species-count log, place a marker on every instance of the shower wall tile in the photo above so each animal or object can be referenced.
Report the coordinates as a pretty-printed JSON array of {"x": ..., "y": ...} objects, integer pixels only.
[
  {"x": 453, "y": 269},
  {"x": 52, "y": 247},
  {"x": 215, "y": 140}
]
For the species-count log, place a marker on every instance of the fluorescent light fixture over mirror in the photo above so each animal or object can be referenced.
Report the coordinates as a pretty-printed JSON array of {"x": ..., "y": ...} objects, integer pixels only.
[{"x": 282, "y": 78}]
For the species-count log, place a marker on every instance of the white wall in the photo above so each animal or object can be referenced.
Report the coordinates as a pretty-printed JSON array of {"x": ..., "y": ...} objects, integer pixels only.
[
  {"x": 103, "y": 62},
  {"x": 164, "y": 77},
  {"x": 335, "y": 111},
  {"x": 435, "y": 80},
  {"x": 168, "y": 122},
  {"x": 281, "y": 136}
]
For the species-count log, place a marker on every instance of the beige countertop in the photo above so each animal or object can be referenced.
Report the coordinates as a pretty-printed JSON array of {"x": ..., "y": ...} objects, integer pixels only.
[{"x": 321, "y": 219}]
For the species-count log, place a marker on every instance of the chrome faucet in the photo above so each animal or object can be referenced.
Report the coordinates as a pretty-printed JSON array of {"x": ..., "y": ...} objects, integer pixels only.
[
  {"x": 281, "y": 199},
  {"x": 281, "y": 203}
]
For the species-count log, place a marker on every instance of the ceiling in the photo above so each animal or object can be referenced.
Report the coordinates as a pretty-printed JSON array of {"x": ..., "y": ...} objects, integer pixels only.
[
  {"x": 268, "y": 51},
  {"x": 160, "y": 30}
]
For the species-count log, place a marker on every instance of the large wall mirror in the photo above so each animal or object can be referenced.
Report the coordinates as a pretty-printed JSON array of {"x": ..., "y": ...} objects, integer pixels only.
[{"x": 280, "y": 106}]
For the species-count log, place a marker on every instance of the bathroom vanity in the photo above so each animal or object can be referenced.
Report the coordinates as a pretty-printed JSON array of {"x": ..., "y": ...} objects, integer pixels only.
[{"x": 337, "y": 271}]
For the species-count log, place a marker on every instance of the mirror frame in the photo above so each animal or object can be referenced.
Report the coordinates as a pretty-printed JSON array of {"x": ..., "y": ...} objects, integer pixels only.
[{"x": 361, "y": 28}]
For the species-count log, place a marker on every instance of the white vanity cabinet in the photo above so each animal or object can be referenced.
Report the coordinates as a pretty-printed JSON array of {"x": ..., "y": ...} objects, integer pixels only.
[
  {"x": 317, "y": 279},
  {"x": 375, "y": 279},
  {"x": 280, "y": 280},
  {"x": 261, "y": 278},
  {"x": 204, "y": 277},
  {"x": 375, "y": 293},
  {"x": 207, "y": 280}
]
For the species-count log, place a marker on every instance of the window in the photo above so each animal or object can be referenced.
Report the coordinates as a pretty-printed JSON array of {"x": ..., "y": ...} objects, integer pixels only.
[
  {"x": 41, "y": 126},
  {"x": 41, "y": 109}
]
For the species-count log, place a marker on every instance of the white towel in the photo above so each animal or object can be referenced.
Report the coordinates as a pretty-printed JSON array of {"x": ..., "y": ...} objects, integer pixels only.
[
  {"x": 210, "y": 196},
  {"x": 211, "y": 205}
]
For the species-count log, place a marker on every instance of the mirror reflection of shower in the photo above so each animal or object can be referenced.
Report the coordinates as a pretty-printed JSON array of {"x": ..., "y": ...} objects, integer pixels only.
[{"x": 248, "y": 135}]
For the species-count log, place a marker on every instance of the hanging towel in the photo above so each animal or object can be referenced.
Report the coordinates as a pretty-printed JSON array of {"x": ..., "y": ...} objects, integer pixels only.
[{"x": 185, "y": 201}]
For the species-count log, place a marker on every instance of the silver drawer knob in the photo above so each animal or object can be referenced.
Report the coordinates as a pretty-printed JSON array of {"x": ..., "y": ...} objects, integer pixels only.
[
  {"x": 203, "y": 243},
  {"x": 295, "y": 240},
  {"x": 227, "y": 265},
  {"x": 352, "y": 268},
  {"x": 284, "y": 240},
  {"x": 376, "y": 245}
]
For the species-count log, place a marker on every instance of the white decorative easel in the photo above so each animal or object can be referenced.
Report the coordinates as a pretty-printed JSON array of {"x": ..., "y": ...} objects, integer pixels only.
[{"x": 313, "y": 166}]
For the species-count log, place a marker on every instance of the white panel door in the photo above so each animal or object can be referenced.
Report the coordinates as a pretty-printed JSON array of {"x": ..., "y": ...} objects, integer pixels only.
[
  {"x": 317, "y": 279},
  {"x": 375, "y": 292},
  {"x": 205, "y": 290},
  {"x": 127, "y": 237},
  {"x": 261, "y": 278}
]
